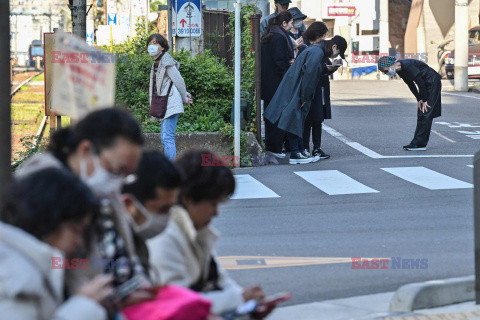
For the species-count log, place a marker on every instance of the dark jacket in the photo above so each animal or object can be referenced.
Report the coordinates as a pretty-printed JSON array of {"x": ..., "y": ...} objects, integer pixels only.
[
  {"x": 297, "y": 87},
  {"x": 321, "y": 108},
  {"x": 276, "y": 56},
  {"x": 414, "y": 72}
]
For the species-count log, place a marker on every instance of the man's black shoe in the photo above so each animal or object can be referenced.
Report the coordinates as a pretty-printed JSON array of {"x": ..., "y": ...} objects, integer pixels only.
[
  {"x": 412, "y": 147},
  {"x": 320, "y": 153}
]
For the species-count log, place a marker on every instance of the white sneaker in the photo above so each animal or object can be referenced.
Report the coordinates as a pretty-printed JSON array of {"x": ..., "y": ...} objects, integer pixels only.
[
  {"x": 309, "y": 155},
  {"x": 298, "y": 158}
]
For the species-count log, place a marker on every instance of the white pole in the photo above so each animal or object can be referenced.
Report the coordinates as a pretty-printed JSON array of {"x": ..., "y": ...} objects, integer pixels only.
[
  {"x": 238, "y": 48},
  {"x": 461, "y": 45},
  {"x": 384, "y": 32}
]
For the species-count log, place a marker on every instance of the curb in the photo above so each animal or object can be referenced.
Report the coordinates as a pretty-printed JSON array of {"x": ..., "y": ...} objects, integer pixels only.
[{"x": 433, "y": 294}]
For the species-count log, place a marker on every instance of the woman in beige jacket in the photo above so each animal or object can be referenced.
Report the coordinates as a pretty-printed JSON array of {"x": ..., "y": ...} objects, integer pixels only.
[{"x": 184, "y": 253}]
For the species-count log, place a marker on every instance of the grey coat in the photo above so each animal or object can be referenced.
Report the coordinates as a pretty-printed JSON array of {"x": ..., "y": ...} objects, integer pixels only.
[
  {"x": 298, "y": 86},
  {"x": 30, "y": 289}
]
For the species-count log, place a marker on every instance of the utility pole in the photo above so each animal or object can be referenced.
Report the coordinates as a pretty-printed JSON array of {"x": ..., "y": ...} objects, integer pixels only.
[
  {"x": 5, "y": 100},
  {"x": 461, "y": 45},
  {"x": 79, "y": 17},
  {"x": 384, "y": 32},
  {"x": 238, "y": 65}
]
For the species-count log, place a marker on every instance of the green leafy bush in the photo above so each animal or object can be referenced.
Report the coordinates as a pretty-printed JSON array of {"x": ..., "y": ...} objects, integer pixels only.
[{"x": 209, "y": 81}]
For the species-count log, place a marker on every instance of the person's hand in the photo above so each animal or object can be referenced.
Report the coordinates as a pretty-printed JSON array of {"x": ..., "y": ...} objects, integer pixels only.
[
  {"x": 190, "y": 100},
  {"x": 98, "y": 289},
  {"x": 419, "y": 105},
  {"x": 264, "y": 312},
  {"x": 253, "y": 293},
  {"x": 332, "y": 68},
  {"x": 300, "y": 41},
  {"x": 292, "y": 61},
  {"x": 140, "y": 296},
  {"x": 425, "y": 107}
]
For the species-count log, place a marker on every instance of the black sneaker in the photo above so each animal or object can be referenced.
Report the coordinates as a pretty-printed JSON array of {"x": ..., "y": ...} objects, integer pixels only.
[
  {"x": 321, "y": 154},
  {"x": 412, "y": 147},
  {"x": 308, "y": 155},
  {"x": 298, "y": 158}
]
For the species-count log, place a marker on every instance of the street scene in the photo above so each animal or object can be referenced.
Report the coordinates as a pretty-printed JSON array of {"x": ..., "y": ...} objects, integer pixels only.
[{"x": 240, "y": 159}]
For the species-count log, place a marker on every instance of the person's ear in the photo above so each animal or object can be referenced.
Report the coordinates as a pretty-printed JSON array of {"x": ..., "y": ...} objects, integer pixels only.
[
  {"x": 129, "y": 204},
  {"x": 84, "y": 148}
]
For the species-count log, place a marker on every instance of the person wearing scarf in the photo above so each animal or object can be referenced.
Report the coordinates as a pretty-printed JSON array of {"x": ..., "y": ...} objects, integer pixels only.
[{"x": 429, "y": 101}]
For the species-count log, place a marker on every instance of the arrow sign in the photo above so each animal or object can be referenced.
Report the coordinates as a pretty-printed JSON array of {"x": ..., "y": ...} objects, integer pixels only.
[{"x": 182, "y": 22}]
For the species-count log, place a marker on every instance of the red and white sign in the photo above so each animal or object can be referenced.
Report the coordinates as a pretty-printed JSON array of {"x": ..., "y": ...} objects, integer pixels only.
[{"x": 341, "y": 11}]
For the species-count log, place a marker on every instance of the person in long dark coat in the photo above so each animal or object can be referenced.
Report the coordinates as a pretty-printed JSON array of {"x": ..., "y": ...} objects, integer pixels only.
[
  {"x": 277, "y": 56},
  {"x": 291, "y": 103},
  {"x": 428, "y": 94}
]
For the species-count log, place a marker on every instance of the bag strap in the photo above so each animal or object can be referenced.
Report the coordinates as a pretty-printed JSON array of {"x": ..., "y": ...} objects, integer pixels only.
[{"x": 162, "y": 76}]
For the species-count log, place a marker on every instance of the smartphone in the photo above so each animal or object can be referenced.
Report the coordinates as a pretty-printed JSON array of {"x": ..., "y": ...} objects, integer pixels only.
[
  {"x": 272, "y": 301},
  {"x": 128, "y": 287}
]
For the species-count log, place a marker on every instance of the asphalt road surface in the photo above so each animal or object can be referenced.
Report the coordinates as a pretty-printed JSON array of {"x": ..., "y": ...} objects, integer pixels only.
[{"x": 295, "y": 228}]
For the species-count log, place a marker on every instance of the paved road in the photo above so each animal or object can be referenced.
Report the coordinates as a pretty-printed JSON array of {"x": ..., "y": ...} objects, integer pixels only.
[{"x": 371, "y": 199}]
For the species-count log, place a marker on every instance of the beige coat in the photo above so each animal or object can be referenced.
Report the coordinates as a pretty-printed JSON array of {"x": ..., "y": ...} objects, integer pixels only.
[
  {"x": 167, "y": 73},
  {"x": 181, "y": 255},
  {"x": 29, "y": 288}
]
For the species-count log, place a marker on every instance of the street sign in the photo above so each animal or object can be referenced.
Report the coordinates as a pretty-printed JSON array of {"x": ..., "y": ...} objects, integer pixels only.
[
  {"x": 112, "y": 19},
  {"x": 341, "y": 11},
  {"x": 189, "y": 18},
  {"x": 83, "y": 80},
  {"x": 90, "y": 31}
]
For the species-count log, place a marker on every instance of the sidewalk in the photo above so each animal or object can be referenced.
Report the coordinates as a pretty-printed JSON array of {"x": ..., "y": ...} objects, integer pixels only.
[{"x": 377, "y": 306}]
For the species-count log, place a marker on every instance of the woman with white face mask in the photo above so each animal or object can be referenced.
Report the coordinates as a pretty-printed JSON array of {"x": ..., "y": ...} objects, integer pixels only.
[
  {"x": 166, "y": 80},
  {"x": 429, "y": 94},
  {"x": 103, "y": 149},
  {"x": 297, "y": 30}
]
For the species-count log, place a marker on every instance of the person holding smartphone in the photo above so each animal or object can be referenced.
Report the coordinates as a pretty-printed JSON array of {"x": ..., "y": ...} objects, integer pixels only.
[
  {"x": 321, "y": 106},
  {"x": 184, "y": 253},
  {"x": 415, "y": 74}
]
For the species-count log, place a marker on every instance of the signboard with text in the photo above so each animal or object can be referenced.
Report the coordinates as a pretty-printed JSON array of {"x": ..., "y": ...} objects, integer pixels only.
[
  {"x": 341, "y": 11},
  {"x": 83, "y": 78},
  {"x": 188, "y": 18}
]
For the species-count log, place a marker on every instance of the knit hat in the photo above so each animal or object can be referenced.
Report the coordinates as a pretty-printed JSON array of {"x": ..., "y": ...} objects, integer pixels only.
[{"x": 386, "y": 61}]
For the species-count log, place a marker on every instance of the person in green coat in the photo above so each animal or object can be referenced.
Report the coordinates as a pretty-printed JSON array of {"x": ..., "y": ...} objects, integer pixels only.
[{"x": 290, "y": 105}]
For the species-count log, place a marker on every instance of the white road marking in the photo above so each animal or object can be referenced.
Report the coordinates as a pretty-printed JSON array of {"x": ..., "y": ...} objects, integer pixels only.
[
  {"x": 374, "y": 155},
  {"x": 258, "y": 262},
  {"x": 334, "y": 182},
  {"x": 427, "y": 178},
  {"x": 460, "y": 95},
  {"x": 249, "y": 188},
  {"x": 470, "y": 165},
  {"x": 357, "y": 146}
]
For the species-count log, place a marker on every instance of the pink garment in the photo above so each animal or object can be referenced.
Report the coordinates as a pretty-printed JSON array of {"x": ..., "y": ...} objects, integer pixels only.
[{"x": 172, "y": 303}]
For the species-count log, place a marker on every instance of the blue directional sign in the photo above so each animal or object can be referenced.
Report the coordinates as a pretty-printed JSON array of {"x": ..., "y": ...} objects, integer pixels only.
[
  {"x": 112, "y": 18},
  {"x": 189, "y": 18}
]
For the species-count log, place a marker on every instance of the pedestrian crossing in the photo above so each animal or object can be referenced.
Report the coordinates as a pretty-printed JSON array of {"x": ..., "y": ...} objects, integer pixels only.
[{"x": 335, "y": 182}]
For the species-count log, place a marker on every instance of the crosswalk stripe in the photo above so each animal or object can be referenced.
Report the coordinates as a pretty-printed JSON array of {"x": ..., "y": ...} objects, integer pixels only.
[
  {"x": 334, "y": 182},
  {"x": 248, "y": 187},
  {"x": 427, "y": 178}
]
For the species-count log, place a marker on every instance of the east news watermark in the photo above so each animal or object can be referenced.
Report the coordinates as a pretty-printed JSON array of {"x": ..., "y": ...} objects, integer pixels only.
[{"x": 394, "y": 263}]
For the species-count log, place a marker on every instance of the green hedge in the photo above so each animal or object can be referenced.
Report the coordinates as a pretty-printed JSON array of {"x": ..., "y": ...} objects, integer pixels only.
[{"x": 208, "y": 80}]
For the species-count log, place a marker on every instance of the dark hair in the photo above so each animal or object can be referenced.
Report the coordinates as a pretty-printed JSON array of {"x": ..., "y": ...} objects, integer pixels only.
[
  {"x": 278, "y": 20},
  {"x": 329, "y": 48},
  {"x": 316, "y": 30},
  {"x": 100, "y": 127},
  {"x": 202, "y": 182},
  {"x": 160, "y": 40},
  {"x": 40, "y": 202},
  {"x": 154, "y": 171}
]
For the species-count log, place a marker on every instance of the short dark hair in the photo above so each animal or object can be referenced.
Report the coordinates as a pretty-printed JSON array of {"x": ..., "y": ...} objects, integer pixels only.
[
  {"x": 160, "y": 40},
  {"x": 203, "y": 182},
  {"x": 100, "y": 127},
  {"x": 40, "y": 202},
  {"x": 154, "y": 171},
  {"x": 316, "y": 30}
]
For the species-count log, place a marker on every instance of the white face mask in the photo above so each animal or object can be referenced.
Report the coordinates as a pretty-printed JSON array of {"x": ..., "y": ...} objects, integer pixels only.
[
  {"x": 153, "y": 50},
  {"x": 391, "y": 72},
  {"x": 297, "y": 24},
  {"x": 102, "y": 182},
  {"x": 155, "y": 222}
]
